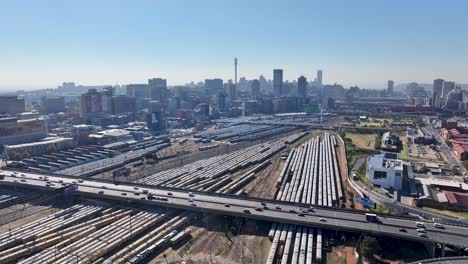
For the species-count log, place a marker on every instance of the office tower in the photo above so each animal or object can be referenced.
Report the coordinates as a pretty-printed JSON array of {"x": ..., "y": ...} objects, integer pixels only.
[
  {"x": 277, "y": 82},
  {"x": 319, "y": 77},
  {"x": 123, "y": 104},
  {"x": 302, "y": 87},
  {"x": 11, "y": 104},
  {"x": 255, "y": 89},
  {"x": 235, "y": 71},
  {"x": 158, "y": 89},
  {"x": 156, "y": 118},
  {"x": 221, "y": 98},
  {"x": 448, "y": 87},
  {"x": 232, "y": 91},
  {"x": 52, "y": 104},
  {"x": 138, "y": 90},
  {"x": 213, "y": 86},
  {"x": 390, "y": 87},
  {"x": 437, "y": 92}
]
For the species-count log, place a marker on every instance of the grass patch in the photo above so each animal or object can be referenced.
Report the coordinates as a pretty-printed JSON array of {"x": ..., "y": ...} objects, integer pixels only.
[
  {"x": 465, "y": 164},
  {"x": 363, "y": 141},
  {"x": 353, "y": 152},
  {"x": 379, "y": 209},
  {"x": 449, "y": 213},
  {"x": 404, "y": 152}
]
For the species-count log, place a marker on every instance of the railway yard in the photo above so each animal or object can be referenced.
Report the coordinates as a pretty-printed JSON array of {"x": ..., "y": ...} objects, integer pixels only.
[{"x": 295, "y": 166}]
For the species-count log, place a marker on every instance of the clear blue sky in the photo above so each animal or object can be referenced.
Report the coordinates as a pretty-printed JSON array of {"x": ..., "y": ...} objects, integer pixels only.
[{"x": 363, "y": 42}]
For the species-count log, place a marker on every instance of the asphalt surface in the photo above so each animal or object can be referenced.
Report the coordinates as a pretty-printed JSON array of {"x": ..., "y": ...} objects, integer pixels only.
[
  {"x": 390, "y": 203},
  {"x": 323, "y": 217}
]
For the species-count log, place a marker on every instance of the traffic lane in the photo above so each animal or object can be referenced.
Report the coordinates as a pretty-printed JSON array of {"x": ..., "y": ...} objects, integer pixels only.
[
  {"x": 244, "y": 203},
  {"x": 287, "y": 217},
  {"x": 134, "y": 192}
]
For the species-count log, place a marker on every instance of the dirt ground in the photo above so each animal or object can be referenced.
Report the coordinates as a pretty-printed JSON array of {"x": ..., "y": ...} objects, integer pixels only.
[
  {"x": 350, "y": 192},
  {"x": 341, "y": 255}
]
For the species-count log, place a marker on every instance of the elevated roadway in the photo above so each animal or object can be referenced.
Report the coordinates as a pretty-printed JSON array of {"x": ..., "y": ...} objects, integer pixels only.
[{"x": 255, "y": 208}]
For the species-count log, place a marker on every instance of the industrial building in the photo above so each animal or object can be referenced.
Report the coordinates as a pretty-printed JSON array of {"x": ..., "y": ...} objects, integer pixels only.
[
  {"x": 390, "y": 142},
  {"x": 20, "y": 151},
  {"x": 383, "y": 170},
  {"x": 14, "y": 131}
]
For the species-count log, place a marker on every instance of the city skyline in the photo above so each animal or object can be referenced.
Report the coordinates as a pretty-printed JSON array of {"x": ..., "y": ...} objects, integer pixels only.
[{"x": 362, "y": 44}]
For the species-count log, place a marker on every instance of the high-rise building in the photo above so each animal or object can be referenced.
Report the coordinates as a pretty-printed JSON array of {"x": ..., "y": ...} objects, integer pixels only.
[
  {"x": 52, "y": 104},
  {"x": 138, "y": 90},
  {"x": 232, "y": 91},
  {"x": 278, "y": 82},
  {"x": 302, "y": 87},
  {"x": 94, "y": 103},
  {"x": 11, "y": 104},
  {"x": 319, "y": 77},
  {"x": 437, "y": 92},
  {"x": 255, "y": 89},
  {"x": 158, "y": 89},
  {"x": 448, "y": 87},
  {"x": 213, "y": 86},
  {"x": 123, "y": 104},
  {"x": 390, "y": 87},
  {"x": 156, "y": 118},
  {"x": 221, "y": 100}
]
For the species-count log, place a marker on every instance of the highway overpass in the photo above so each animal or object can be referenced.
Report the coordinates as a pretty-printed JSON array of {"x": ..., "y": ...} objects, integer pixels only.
[{"x": 255, "y": 208}]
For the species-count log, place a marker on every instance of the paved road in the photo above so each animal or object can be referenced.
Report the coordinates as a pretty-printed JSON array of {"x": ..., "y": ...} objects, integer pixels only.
[
  {"x": 390, "y": 203},
  {"x": 278, "y": 211},
  {"x": 448, "y": 153}
]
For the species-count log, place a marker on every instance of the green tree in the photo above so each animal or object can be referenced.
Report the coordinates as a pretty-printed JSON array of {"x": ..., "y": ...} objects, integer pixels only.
[{"x": 369, "y": 246}]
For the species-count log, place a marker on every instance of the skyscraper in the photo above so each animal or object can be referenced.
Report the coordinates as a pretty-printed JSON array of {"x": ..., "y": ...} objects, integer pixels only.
[
  {"x": 213, "y": 86},
  {"x": 437, "y": 92},
  {"x": 232, "y": 91},
  {"x": 235, "y": 71},
  {"x": 158, "y": 89},
  {"x": 390, "y": 88},
  {"x": 278, "y": 82},
  {"x": 319, "y": 77},
  {"x": 302, "y": 87},
  {"x": 448, "y": 87},
  {"x": 255, "y": 89}
]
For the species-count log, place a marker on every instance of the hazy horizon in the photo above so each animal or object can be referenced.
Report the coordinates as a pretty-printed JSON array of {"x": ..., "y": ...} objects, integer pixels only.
[{"x": 361, "y": 43}]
